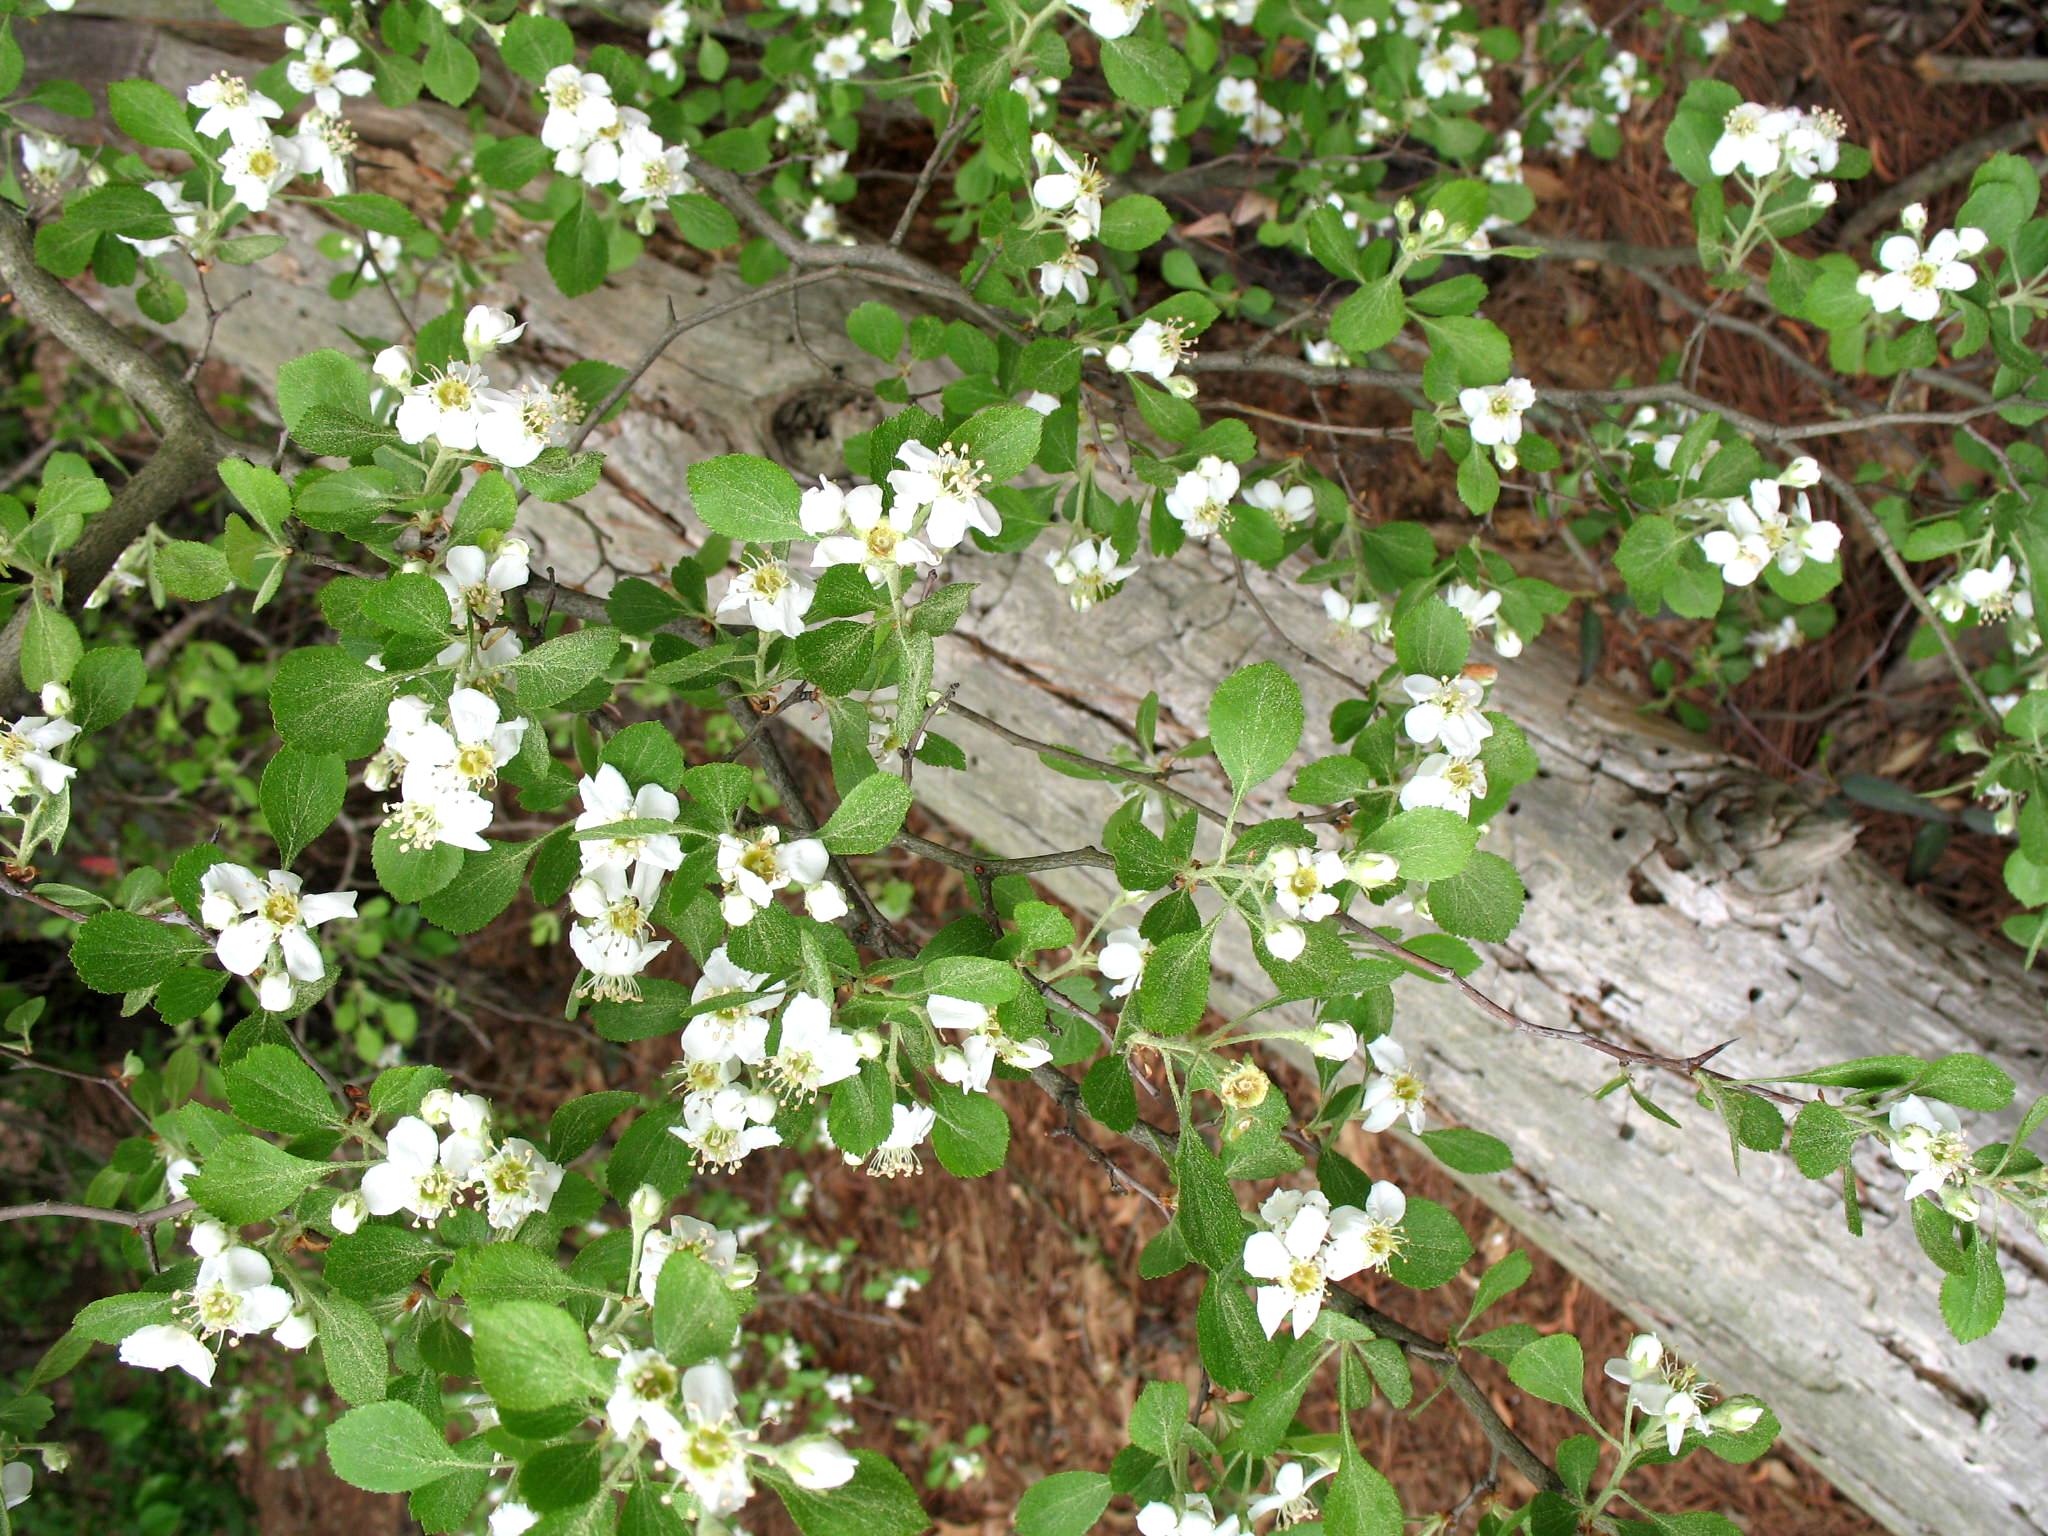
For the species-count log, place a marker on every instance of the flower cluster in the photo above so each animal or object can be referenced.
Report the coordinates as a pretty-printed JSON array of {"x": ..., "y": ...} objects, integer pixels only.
[
  {"x": 1090, "y": 570},
  {"x": 428, "y": 1175},
  {"x": 1915, "y": 276},
  {"x": 233, "y": 1295},
  {"x": 1761, "y": 141},
  {"x": 981, "y": 1043},
  {"x": 607, "y": 145},
  {"x": 445, "y": 771},
  {"x": 30, "y": 768},
  {"x": 1672, "y": 1397},
  {"x": 263, "y": 928},
  {"x": 619, "y": 884},
  {"x": 458, "y": 407},
  {"x": 1306, "y": 1245},
  {"x": 1761, "y": 530},
  {"x": 2001, "y": 592}
]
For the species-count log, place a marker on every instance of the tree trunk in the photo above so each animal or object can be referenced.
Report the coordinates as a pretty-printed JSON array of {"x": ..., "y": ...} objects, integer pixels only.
[{"x": 1676, "y": 898}]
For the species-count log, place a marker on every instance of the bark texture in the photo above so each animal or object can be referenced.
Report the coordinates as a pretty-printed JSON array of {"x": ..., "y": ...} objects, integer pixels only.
[{"x": 1677, "y": 898}]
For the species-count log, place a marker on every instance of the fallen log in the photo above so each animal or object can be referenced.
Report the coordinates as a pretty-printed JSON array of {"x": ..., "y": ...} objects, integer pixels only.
[{"x": 1678, "y": 899}]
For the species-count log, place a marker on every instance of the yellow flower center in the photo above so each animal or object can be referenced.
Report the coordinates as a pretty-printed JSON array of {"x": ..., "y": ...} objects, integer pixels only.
[{"x": 281, "y": 909}]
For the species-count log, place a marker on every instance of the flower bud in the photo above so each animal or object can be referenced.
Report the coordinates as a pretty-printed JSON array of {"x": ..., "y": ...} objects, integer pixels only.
[
  {"x": 1737, "y": 1416},
  {"x": 817, "y": 1462},
  {"x": 1823, "y": 194},
  {"x": 647, "y": 1206},
  {"x": 56, "y": 1460},
  {"x": 1914, "y": 218},
  {"x": 394, "y": 367},
  {"x": 56, "y": 700},
  {"x": 348, "y": 1212}
]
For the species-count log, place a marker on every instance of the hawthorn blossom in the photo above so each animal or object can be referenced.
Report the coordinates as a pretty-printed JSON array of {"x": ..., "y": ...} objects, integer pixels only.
[
  {"x": 642, "y": 1397},
  {"x": 1155, "y": 349},
  {"x": 1307, "y": 1244},
  {"x": 1392, "y": 1091},
  {"x": 686, "y": 1234},
  {"x": 909, "y": 1124},
  {"x": 517, "y": 428},
  {"x": 1449, "y": 67},
  {"x": 607, "y": 799},
  {"x": 447, "y": 406},
  {"x": 1667, "y": 1392},
  {"x": 1813, "y": 143},
  {"x": 1290, "y": 505},
  {"x": 820, "y": 224},
  {"x": 1927, "y": 1142},
  {"x": 1773, "y": 640},
  {"x": 580, "y": 105},
  {"x": 185, "y": 218},
  {"x": 1122, "y": 960},
  {"x": 321, "y": 69},
  {"x": 1089, "y": 570},
  {"x": 1304, "y": 880},
  {"x": 1193, "y": 1516},
  {"x": 824, "y": 507},
  {"x": 651, "y": 171},
  {"x": 1370, "y": 617},
  {"x": 419, "y": 1172},
  {"x": 322, "y": 146},
  {"x": 1760, "y": 530},
  {"x": 1914, "y": 279},
  {"x": 723, "y": 1127},
  {"x": 258, "y": 919},
  {"x": 47, "y": 163},
  {"x": 946, "y": 485},
  {"x": 1112, "y": 19},
  {"x": 1621, "y": 79},
  {"x": 255, "y": 168},
  {"x": 348, "y": 1212},
  {"x": 228, "y": 105},
  {"x": 880, "y": 543},
  {"x": 710, "y": 1451},
  {"x": 984, "y": 1042},
  {"x": 1067, "y": 273},
  {"x": 1289, "y": 1498},
  {"x": 612, "y": 937},
  {"x": 1988, "y": 590},
  {"x": 840, "y": 58},
  {"x": 752, "y": 869},
  {"x": 1200, "y": 499},
  {"x": 811, "y": 1053},
  {"x": 774, "y": 597},
  {"x": 907, "y": 26},
  {"x": 518, "y": 1181},
  {"x": 1450, "y": 783},
  {"x": 736, "y": 1030},
  {"x": 27, "y": 764},
  {"x": 1752, "y": 137},
  {"x": 1447, "y": 710},
  {"x": 1341, "y": 44},
  {"x": 1495, "y": 411},
  {"x": 435, "y": 807}
]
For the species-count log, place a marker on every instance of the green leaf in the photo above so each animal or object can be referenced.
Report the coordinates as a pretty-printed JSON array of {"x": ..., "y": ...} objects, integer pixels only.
[
  {"x": 1822, "y": 1139},
  {"x": 324, "y": 700},
  {"x": 247, "y": 1179},
  {"x": 704, "y": 223},
  {"x": 876, "y": 1501},
  {"x": 1968, "y": 1081},
  {"x": 1431, "y": 844},
  {"x": 577, "y": 1123},
  {"x": 533, "y": 45},
  {"x": 1065, "y": 1504},
  {"x": 372, "y": 211},
  {"x": 151, "y": 115},
  {"x": 484, "y": 887},
  {"x": 563, "y": 666},
  {"x": 117, "y": 951},
  {"x": 390, "y": 1447},
  {"x": 510, "y": 164},
  {"x": 1481, "y": 901},
  {"x": 744, "y": 497},
  {"x": 105, "y": 685},
  {"x": 351, "y": 1346},
  {"x": 1207, "y": 1214},
  {"x": 1973, "y": 1301},
  {"x": 1554, "y": 1369},
  {"x": 1361, "y": 1502},
  {"x": 870, "y": 816},
  {"x": 379, "y": 1261},
  {"x": 579, "y": 250},
  {"x": 1369, "y": 318},
  {"x": 50, "y": 646},
  {"x": 1144, "y": 73},
  {"x": 1477, "y": 351},
  {"x": 272, "y": 1089},
  {"x": 193, "y": 571},
  {"x": 301, "y": 794},
  {"x": 695, "y": 1313},
  {"x": 530, "y": 1356},
  {"x": 971, "y": 1134},
  {"x": 1437, "y": 1247},
  {"x": 1158, "y": 1420},
  {"x": 1467, "y": 1151},
  {"x": 1134, "y": 222},
  {"x": 1432, "y": 639},
  {"x": 877, "y": 329},
  {"x": 412, "y": 874},
  {"x": 1272, "y": 1409},
  {"x": 410, "y": 604},
  {"x": 1173, "y": 992},
  {"x": 112, "y": 1318},
  {"x": 1255, "y": 723},
  {"x": 450, "y": 70},
  {"x": 1003, "y": 437}
]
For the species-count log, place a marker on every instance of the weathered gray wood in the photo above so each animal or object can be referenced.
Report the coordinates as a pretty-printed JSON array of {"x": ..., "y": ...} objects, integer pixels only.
[{"x": 1677, "y": 898}]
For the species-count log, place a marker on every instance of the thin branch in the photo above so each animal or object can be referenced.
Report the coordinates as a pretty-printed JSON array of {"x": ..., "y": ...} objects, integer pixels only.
[{"x": 139, "y": 1221}]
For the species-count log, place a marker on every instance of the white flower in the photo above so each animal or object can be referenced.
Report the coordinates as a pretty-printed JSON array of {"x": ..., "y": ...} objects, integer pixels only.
[
  {"x": 735, "y": 1031},
  {"x": 1620, "y": 79},
  {"x": 1496, "y": 410},
  {"x": 393, "y": 366},
  {"x": 419, "y": 1173},
  {"x": 1341, "y": 43},
  {"x": 18, "y": 1478},
  {"x": 448, "y": 406},
  {"x": 1285, "y": 941},
  {"x": 651, "y": 171},
  {"x": 796, "y": 113},
  {"x": 1927, "y": 1142},
  {"x": 880, "y": 542},
  {"x": 1201, "y": 498},
  {"x": 752, "y": 869},
  {"x": 983, "y": 1043},
  {"x": 255, "y": 917},
  {"x": 296, "y": 1331},
  {"x": 841, "y": 57},
  {"x": 909, "y": 1124},
  {"x": 255, "y": 168},
  {"x": 48, "y": 163},
  {"x": 775, "y": 598},
  {"x": 611, "y": 938},
  {"x": 185, "y": 216},
  {"x": 817, "y": 1462},
  {"x": 643, "y": 1397},
  {"x": 1447, "y": 710},
  {"x": 26, "y": 763},
  {"x": 1193, "y": 1517},
  {"x": 1752, "y": 137},
  {"x": 1775, "y": 640},
  {"x": 1478, "y": 609},
  {"x": 1357, "y": 618},
  {"x": 947, "y": 485},
  {"x": 348, "y": 1212},
  {"x": 607, "y": 799},
  {"x": 485, "y": 329},
  {"x": 321, "y": 74},
  {"x": 823, "y": 508},
  {"x": 1289, "y": 1498},
  {"x": 1308, "y": 1245},
  {"x": 518, "y": 428},
  {"x": 820, "y": 224},
  {"x": 1290, "y": 505},
  {"x": 228, "y": 106},
  {"x": 686, "y": 1234},
  {"x": 1393, "y": 1090},
  {"x": 517, "y": 1181},
  {"x": 580, "y": 105},
  {"x": 811, "y": 1053},
  {"x": 1089, "y": 570},
  {"x": 1155, "y": 349},
  {"x": 1123, "y": 957},
  {"x": 1446, "y": 782},
  {"x": 711, "y": 1452},
  {"x": 434, "y": 806},
  {"x": 1112, "y": 19},
  {"x": 1238, "y": 96},
  {"x": 721, "y": 1128},
  {"x": 1303, "y": 880},
  {"x": 1333, "y": 1041},
  {"x": 1813, "y": 142},
  {"x": 1914, "y": 280},
  {"x": 322, "y": 146},
  {"x": 1447, "y": 67},
  {"x": 162, "y": 1347},
  {"x": 512, "y": 1518},
  {"x": 1989, "y": 591},
  {"x": 1069, "y": 273}
]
